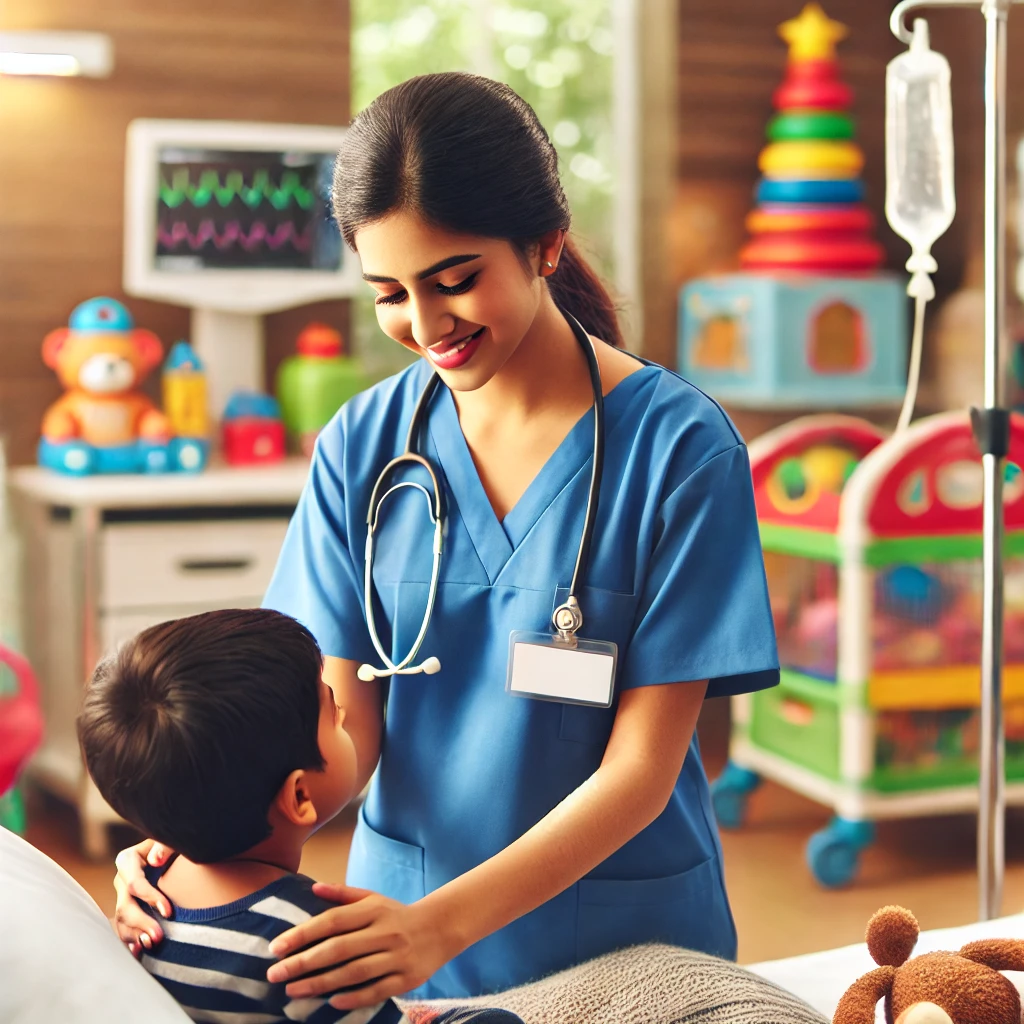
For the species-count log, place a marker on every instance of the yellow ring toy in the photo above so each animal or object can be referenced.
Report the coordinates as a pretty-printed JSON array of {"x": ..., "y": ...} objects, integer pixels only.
[{"x": 811, "y": 160}]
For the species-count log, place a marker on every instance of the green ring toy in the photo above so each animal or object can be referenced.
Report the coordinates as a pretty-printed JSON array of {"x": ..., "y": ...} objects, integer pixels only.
[{"x": 801, "y": 125}]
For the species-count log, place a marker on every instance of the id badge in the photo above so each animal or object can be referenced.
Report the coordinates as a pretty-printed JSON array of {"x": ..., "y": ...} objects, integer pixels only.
[{"x": 545, "y": 667}]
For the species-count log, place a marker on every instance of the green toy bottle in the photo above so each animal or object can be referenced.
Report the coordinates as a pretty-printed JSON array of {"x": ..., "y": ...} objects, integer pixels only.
[{"x": 315, "y": 383}]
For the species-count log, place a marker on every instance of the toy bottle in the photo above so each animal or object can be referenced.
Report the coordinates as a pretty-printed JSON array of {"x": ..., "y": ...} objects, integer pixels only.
[
  {"x": 184, "y": 392},
  {"x": 315, "y": 383}
]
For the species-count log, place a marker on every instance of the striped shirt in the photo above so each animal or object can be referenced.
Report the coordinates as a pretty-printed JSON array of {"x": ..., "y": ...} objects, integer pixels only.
[{"x": 214, "y": 961}]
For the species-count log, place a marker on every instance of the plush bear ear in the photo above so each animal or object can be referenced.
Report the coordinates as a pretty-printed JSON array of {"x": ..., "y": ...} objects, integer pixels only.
[
  {"x": 999, "y": 954},
  {"x": 149, "y": 347},
  {"x": 858, "y": 1004},
  {"x": 53, "y": 344}
]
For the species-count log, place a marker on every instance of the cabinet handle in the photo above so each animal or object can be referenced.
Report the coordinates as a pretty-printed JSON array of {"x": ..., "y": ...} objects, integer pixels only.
[{"x": 215, "y": 564}]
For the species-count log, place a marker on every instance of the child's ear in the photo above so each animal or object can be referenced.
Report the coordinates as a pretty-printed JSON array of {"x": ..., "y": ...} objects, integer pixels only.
[{"x": 295, "y": 800}]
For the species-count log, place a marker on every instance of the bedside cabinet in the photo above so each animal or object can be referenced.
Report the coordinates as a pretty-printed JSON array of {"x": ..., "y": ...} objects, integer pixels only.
[{"x": 105, "y": 557}]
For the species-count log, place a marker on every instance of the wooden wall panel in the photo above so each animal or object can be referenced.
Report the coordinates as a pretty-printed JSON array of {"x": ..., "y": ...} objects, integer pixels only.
[
  {"x": 62, "y": 158},
  {"x": 730, "y": 63}
]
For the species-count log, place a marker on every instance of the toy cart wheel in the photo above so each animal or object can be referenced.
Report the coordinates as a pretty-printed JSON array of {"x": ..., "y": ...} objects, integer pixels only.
[
  {"x": 833, "y": 854},
  {"x": 729, "y": 793}
]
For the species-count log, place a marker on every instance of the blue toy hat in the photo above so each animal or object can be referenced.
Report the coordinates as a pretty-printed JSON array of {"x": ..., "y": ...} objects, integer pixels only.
[
  {"x": 100, "y": 314},
  {"x": 251, "y": 405},
  {"x": 183, "y": 357}
]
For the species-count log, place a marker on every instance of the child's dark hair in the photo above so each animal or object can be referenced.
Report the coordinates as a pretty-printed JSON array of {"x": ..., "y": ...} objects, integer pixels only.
[
  {"x": 469, "y": 155},
  {"x": 190, "y": 729}
]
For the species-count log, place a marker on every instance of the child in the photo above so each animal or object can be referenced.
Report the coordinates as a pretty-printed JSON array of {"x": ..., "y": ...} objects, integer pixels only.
[{"x": 217, "y": 736}]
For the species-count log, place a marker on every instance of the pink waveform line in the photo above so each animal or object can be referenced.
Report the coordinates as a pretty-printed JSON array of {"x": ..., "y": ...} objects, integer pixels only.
[{"x": 234, "y": 234}]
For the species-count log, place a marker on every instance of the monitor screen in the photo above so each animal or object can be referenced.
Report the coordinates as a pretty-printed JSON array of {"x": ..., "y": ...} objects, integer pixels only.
[{"x": 241, "y": 210}]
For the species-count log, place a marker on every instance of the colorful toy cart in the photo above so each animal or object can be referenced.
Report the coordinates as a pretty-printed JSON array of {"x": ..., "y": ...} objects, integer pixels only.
[{"x": 873, "y": 553}]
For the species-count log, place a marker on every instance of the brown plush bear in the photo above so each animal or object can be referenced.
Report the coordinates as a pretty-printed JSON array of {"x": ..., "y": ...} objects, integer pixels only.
[{"x": 935, "y": 988}]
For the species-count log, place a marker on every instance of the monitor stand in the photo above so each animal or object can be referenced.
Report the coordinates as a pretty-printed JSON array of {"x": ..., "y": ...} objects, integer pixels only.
[{"x": 230, "y": 346}]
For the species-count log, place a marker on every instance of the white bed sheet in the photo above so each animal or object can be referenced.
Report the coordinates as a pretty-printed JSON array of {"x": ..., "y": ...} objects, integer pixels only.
[{"x": 821, "y": 978}]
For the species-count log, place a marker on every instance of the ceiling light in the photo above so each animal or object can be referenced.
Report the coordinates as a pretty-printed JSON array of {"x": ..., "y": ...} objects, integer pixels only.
[{"x": 56, "y": 53}]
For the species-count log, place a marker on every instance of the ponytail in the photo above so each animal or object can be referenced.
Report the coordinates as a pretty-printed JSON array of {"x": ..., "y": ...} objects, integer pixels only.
[
  {"x": 470, "y": 155},
  {"x": 579, "y": 291}
]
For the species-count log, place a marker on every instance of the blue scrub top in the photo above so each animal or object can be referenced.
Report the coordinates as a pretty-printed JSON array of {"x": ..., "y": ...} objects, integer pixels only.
[{"x": 676, "y": 579}]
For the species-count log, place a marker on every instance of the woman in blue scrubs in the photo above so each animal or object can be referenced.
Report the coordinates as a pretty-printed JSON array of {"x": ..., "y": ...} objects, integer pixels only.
[{"x": 504, "y": 838}]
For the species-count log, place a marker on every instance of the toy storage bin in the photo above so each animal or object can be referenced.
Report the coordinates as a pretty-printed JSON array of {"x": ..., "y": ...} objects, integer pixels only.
[
  {"x": 893, "y": 730},
  {"x": 804, "y": 597},
  {"x": 791, "y": 340}
]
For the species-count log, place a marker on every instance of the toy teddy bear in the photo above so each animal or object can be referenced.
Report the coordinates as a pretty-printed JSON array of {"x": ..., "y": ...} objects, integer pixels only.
[
  {"x": 103, "y": 423},
  {"x": 934, "y": 988}
]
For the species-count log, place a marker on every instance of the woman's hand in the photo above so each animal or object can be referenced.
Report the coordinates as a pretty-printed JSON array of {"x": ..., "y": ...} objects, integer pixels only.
[
  {"x": 371, "y": 941},
  {"x": 134, "y": 927}
]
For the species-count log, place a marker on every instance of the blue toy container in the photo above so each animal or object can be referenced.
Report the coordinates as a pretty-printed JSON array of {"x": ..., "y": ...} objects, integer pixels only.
[{"x": 795, "y": 342}]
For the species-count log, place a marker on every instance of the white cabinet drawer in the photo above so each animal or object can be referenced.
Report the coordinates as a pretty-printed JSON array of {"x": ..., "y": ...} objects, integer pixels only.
[
  {"x": 118, "y": 627},
  {"x": 217, "y": 562}
]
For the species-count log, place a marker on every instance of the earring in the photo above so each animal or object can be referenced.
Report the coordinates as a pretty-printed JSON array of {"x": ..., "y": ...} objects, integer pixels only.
[{"x": 549, "y": 265}]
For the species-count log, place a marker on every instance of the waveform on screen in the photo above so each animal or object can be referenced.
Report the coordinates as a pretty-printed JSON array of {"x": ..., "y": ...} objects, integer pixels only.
[
  {"x": 233, "y": 235},
  {"x": 180, "y": 189}
]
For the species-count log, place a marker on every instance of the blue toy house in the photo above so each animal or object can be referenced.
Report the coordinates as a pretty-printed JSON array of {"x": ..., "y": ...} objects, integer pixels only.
[{"x": 801, "y": 341}]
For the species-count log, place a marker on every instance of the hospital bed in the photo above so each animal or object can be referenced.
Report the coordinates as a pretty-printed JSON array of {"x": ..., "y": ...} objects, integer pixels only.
[{"x": 60, "y": 961}]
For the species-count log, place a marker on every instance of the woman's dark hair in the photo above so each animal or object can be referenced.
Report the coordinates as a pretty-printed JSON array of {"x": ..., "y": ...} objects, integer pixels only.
[
  {"x": 190, "y": 730},
  {"x": 469, "y": 155}
]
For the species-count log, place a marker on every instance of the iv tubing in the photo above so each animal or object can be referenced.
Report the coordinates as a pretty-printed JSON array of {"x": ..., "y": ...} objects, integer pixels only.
[{"x": 914, "y": 374}]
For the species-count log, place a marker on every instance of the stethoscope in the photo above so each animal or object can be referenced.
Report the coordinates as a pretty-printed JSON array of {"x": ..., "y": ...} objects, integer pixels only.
[{"x": 567, "y": 618}]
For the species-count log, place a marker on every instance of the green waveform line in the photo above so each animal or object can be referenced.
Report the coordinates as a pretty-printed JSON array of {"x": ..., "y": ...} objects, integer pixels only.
[{"x": 180, "y": 190}]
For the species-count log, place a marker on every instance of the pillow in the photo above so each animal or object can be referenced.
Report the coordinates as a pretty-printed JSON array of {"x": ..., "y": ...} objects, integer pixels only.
[{"x": 59, "y": 958}]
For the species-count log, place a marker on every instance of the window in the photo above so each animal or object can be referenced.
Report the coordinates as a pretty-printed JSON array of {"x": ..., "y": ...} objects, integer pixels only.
[{"x": 559, "y": 59}]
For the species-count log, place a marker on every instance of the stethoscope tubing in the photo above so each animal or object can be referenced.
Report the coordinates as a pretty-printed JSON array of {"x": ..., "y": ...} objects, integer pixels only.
[{"x": 436, "y": 511}]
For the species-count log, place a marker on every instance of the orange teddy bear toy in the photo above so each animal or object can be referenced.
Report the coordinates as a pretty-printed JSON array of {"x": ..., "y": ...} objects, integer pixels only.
[
  {"x": 934, "y": 988},
  {"x": 103, "y": 423}
]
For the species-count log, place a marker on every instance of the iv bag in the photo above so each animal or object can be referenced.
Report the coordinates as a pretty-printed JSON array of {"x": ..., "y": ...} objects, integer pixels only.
[{"x": 919, "y": 199}]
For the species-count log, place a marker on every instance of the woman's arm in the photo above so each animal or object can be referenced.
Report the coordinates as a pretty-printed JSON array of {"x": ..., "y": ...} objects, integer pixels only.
[
  {"x": 377, "y": 938},
  {"x": 651, "y": 734},
  {"x": 364, "y": 713}
]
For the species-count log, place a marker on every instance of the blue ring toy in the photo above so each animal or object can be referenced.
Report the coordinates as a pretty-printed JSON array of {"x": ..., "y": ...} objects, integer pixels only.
[{"x": 842, "y": 190}]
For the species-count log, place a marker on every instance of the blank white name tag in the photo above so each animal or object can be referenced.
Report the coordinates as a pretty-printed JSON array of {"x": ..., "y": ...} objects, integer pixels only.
[{"x": 542, "y": 667}]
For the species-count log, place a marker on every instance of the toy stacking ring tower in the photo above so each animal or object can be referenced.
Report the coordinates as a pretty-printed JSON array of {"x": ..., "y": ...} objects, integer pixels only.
[
  {"x": 810, "y": 215},
  {"x": 810, "y": 322}
]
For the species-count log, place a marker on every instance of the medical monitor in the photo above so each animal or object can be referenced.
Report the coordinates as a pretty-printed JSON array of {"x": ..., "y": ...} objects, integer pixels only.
[{"x": 232, "y": 219}]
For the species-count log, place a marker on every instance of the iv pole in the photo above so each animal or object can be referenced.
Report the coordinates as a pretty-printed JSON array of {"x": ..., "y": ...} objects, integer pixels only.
[{"x": 992, "y": 430}]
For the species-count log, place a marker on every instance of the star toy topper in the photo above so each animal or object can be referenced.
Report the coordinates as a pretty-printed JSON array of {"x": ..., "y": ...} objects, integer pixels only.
[{"x": 813, "y": 35}]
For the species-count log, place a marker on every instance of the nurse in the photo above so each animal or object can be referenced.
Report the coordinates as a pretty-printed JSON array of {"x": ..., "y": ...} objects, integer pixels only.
[{"x": 505, "y": 837}]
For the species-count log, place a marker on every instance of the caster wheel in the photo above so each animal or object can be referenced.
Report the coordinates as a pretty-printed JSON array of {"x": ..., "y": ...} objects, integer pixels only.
[
  {"x": 729, "y": 793},
  {"x": 833, "y": 854}
]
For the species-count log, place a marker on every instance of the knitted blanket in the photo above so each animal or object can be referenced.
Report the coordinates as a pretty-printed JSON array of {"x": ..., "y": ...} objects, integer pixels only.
[{"x": 652, "y": 984}]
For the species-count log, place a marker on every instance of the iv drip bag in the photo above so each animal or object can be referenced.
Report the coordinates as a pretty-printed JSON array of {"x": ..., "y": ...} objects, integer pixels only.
[{"x": 919, "y": 199}]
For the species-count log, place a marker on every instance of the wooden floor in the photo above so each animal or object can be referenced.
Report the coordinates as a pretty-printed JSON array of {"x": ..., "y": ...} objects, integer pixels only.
[{"x": 924, "y": 864}]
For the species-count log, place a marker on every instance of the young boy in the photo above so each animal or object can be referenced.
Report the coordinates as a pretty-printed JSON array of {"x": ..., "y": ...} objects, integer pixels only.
[{"x": 216, "y": 736}]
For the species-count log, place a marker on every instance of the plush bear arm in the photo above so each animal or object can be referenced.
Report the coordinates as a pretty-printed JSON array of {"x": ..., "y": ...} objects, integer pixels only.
[
  {"x": 153, "y": 424},
  {"x": 59, "y": 423},
  {"x": 999, "y": 954},
  {"x": 858, "y": 1004}
]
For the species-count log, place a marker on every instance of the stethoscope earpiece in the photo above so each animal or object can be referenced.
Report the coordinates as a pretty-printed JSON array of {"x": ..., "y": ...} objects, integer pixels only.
[
  {"x": 431, "y": 666},
  {"x": 366, "y": 673}
]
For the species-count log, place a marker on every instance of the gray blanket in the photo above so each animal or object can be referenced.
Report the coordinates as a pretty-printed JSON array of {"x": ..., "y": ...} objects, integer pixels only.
[{"x": 646, "y": 985}]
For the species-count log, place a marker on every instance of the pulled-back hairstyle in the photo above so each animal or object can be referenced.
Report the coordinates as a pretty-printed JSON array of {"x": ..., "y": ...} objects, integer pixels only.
[
  {"x": 191, "y": 728},
  {"x": 469, "y": 155}
]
